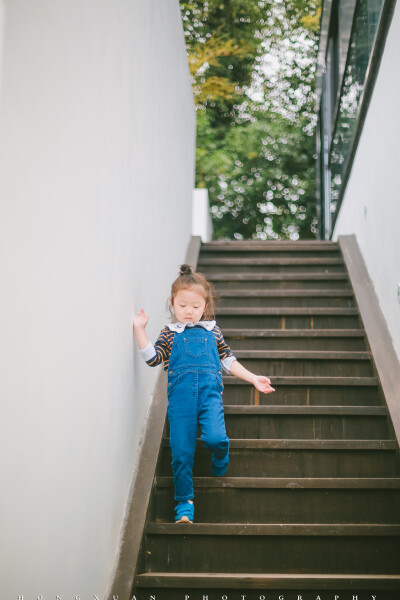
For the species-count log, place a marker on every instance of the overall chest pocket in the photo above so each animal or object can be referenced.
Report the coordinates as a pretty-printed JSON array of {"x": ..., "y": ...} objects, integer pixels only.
[{"x": 195, "y": 346}]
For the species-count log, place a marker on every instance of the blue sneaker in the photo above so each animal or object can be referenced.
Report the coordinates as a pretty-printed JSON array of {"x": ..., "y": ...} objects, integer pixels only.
[
  {"x": 219, "y": 467},
  {"x": 184, "y": 512}
]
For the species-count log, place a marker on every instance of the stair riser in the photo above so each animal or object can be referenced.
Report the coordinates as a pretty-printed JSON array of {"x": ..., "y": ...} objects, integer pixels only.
[
  {"x": 304, "y": 427},
  {"x": 304, "y": 505},
  {"x": 280, "y": 284},
  {"x": 271, "y": 590},
  {"x": 301, "y": 427},
  {"x": 208, "y": 270},
  {"x": 303, "y": 396},
  {"x": 261, "y": 462},
  {"x": 300, "y": 302},
  {"x": 309, "y": 368},
  {"x": 250, "y": 254},
  {"x": 297, "y": 343},
  {"x": 273, "y": 554},
  {"x": 289, "y": 321}
]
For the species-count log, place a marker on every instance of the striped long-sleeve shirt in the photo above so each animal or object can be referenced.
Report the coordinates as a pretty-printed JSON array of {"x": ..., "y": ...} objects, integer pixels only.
[{"x": 161, "y": 351}]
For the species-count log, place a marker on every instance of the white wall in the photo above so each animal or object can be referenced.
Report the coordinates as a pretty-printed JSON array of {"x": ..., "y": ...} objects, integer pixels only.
[
  {"x": 371, "y": 207},
  {"x": 1, "y": 36},
  {"x": 97, "y": 131},
  {"x": 201, "y": 218}
]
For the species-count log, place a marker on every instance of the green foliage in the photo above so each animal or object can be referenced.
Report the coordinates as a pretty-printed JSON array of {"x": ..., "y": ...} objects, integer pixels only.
[
  {"x": 212, "y": 87},
  {"x": 253, "y": 65},
  {"x": 223, "y": 39},
  {"x": 259, "y": 179}
]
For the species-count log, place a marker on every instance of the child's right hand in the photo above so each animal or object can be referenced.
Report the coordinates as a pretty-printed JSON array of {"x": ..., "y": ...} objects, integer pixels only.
[
  {"x": 263, "y": 384},
  {"x": 140, "y": 320}
]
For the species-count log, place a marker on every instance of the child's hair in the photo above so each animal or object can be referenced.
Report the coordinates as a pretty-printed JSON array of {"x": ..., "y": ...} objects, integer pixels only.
[{"x": 189, "y": 278}]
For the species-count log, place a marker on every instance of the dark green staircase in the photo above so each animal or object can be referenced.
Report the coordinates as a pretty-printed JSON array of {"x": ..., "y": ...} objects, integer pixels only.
[{"x": 311, "y": 499}]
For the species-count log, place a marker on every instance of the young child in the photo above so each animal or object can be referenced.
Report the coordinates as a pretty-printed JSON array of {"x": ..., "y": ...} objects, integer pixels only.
[{"x": 193, "y": 350}]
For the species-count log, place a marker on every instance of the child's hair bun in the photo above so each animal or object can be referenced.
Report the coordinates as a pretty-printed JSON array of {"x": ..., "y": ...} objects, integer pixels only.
[
  {"x": 188, "y": 279},
  {"x": 185, "y": 270}
]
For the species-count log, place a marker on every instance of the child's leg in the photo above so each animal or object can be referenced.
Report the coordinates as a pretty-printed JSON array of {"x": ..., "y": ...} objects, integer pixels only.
[
  {"x": 212, "y": 423},
  {"x": 182, "y": 416}
]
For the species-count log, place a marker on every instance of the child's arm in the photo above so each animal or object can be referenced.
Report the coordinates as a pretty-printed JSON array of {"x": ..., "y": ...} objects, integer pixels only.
[
  {"x": 231, "y": 365},
  {"x": 260, "y": 382},
  {"x": 139, "y": 323},
  {"x": 160, "y": 352}
]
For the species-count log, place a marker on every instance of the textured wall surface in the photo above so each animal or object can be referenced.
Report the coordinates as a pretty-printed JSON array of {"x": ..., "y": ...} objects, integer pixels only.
[
  {"x": 201, "y": 218},
  {"x": 371, "y": 207},
  {"x": 97, "y": 134}
]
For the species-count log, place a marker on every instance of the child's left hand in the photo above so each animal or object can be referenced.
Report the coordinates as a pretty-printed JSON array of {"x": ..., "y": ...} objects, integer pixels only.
[
  {"x": 140, "y": 320},
  {"x": 263, "y": 384}
]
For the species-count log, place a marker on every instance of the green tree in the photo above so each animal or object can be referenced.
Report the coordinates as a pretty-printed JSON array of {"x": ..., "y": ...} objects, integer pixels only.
[{"x": 253, "y": 67}]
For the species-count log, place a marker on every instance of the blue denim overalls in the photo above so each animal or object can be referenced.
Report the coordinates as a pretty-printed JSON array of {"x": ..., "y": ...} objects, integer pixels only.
[{"x": 194, "y": 396}]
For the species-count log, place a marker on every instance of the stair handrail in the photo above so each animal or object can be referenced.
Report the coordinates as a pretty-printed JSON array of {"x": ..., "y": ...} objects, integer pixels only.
[{"x": 377, "y": 333}]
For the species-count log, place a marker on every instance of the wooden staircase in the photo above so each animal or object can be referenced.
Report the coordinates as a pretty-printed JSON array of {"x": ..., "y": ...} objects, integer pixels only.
[{"x": 311, "y": 499}]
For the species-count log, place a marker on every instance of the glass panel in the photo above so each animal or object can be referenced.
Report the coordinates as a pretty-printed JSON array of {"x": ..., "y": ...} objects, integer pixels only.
[
  {"x": 325, "y": 143},
  {"x": 367, "y": 16},
  {"x": 332, "y": 63},
  {"x": 346, "y": 13}
]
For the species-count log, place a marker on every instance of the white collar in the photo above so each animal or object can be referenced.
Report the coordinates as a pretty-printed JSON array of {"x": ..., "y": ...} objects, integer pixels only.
[{"x": 179, "y": 327}]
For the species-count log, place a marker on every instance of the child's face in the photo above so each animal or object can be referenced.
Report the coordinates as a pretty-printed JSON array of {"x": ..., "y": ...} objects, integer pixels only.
[{"x": 189, "y": 305}]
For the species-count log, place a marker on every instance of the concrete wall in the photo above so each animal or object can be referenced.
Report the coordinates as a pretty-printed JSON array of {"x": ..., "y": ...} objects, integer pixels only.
[
  {"x": 1, "y": 35},
  {"x": 97, "y": 131},
  {"x": 201, "y": 218},
  {"x": 371, "y": 207}
]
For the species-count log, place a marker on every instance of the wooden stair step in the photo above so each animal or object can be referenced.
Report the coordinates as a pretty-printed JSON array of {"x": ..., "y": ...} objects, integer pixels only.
[
  {"x": 239, "y": 246},
  {"x": 306, "y": 426},
  {"x": 268, "y": 529},
  {"x": 306, "y": 253},
  {"x": 289, "y": 482},
  {"x": 270, "y": 243},
  {"x": 299, "y": 444},
  {"x": 295, "y": 460},
  {"x": 245, "y": 409},
  {"x": 285, "y": 310},
  {"x": 285, "y": 500},
  {"x": 288, "y": 342},
  {"x": 309, "y": 381},
  {"x": 283, "y": 581},
  {"x": 286, "y": 293},
  {"x": 310, "y": 365},
  {"x": 285, "y": 301},
  {"x": 287, "y": 457},
  {"x": 305, "y": 391},
  {"x": 220, "y": 261},
  {"x": 305, "y": 422},
  {"x": 281, "y": 266},
  {"x": 304, "y": 354},
  {"x": 288, "y": 318},
  {"x": 291, "y": 333},
  {"x": 277, "y": 279},
  {"x": 294, "y": 339},
  {"x": 272, "y": 548},
  {"x": 277, "y": 276}
]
